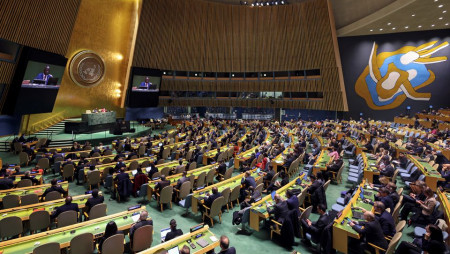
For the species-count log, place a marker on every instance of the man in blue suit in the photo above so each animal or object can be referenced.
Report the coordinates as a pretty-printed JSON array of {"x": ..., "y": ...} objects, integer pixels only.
[
  {"x": 45, "y": 75},
  {"x": 146, "y": 84}
]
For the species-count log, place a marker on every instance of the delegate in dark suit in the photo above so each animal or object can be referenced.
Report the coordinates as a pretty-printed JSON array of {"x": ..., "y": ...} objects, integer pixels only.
[
  {"x": 91, "y": 202},
  {"x": 68, "y": 206},
  {"x": 161, "y": 184},
  {"x": 316, "y": 228},
  {"x": 373, "y": 234},
  {"x": 279, "y": 211},
  {"x": 386, "y": 222}
]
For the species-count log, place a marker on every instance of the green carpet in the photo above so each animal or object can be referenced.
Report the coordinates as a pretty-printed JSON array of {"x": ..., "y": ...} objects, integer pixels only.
[{"x": 257, "y": 242}]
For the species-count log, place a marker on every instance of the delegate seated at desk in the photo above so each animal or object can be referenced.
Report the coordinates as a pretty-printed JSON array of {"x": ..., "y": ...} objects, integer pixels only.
[
  {"x": 147, "y": 85},
  {"x": 45, "y": 75}
]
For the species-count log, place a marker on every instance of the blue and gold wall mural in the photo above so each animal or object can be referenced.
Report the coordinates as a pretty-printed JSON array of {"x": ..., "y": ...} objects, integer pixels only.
[{"x": 384, "y": 74}]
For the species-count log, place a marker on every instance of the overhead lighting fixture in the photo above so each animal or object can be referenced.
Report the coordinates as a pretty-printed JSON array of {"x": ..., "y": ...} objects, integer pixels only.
[
  {"x": 446, "y": 24},
  {"x": 440, "y": 6},
  {"x": 389, "y": 23},
  {"x": 393, "y": 28},
  {"x": 436, "y": 0},
  {"x": 413, "y": 15},
  {"x": 371, "y": 30},
  {"x": 419, "y": 26},
  {"x": 440, "y": 18},
  {"x": 432, "y": 25},
  {"x": 406, "y": 27},
  {"x": 381, "y": 29},
  {"x": 444, "y": 11}
]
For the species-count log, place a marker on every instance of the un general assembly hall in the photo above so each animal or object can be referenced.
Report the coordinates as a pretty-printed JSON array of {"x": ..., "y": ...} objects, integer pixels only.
[{"x": 225, "y": 126}]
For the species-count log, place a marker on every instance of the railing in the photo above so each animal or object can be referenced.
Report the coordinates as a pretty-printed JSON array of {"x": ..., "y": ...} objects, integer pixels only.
[{"x": 45, "y": 123}]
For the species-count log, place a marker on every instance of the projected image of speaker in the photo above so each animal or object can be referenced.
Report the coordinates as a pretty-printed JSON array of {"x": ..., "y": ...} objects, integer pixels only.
[{"x": 144, "y": 86}]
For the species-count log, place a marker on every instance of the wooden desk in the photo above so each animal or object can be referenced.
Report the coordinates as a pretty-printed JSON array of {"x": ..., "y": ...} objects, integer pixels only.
[
  {"x": 199, "y": 195},
  {"x": 321, "y": 162},
  {"x": 432, "y": 176},
  {"x": 259, "y": 210},
  {"x": 193, "y": 237},
  {"x": 64, "y": 235},
  {"x": 24, "y": 212},
  {"x": 37, "y": 189},
  {"x": 341, "y": 231}
]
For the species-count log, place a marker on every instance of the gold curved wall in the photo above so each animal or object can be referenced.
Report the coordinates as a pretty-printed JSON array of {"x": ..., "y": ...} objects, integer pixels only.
[{"x": 108, "y": 28}]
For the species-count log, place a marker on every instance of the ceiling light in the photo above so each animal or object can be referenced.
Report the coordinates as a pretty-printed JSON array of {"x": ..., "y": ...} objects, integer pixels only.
[
  {"x": 446, "y": 24},
  {"x": 419, "y": 26},
  {"x": 393, "y": 28},
  {"x": 413, "y": 15},
  {"x": 371, "y": 30},
  {"x": 432, "y": 25},
  {"x": 440, "y": 18},
  {"x": 406, "y": 27},
  {"x": 389, "y": 23},
  {"x": 381, "y": 29},
  {"x": 440, "y": 6},
  {"x": 436, "y": 0},
  {"x": 444, "y": 11}
]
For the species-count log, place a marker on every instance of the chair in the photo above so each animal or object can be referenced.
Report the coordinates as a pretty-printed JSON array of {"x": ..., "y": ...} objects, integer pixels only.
[
  {"x": 29, "y": 199},
  {"x": 142, "y": 238},
  {"x": 259, "y": 187},
  {"x": 68, "y": 171},
  {"x": 301, "y": 199},
  {"x": 93, "y": 178},
  {"x": 145, "y": 164},
  {"x": 18, "y": 147},
  {"x": 10, "y": 201},
  {"x": 400, "y": 226},
  {"x": 160, "y": 161},
  {"x": 201, "y": 180},
  {"x": 39, "y": 220},
  {"x": 106, "y": 161},
  {"x": 107, "y": 152},
  {"x": 210, "y": 177},
  {"x": 10, "y": 226},
  {"x": 228, "y": 173},
  {"x": 226, "y": 196},
  {"x": 23, "y": 158},
  {"x": 133, "y": 165},
  {"x": 114, "y": 244},
  {"x": 44, "y": 163},
  {"x": 192, "y": 166},
  {"x": 165, "y": 171},
  {"x": 234, "y": 196},
  {"x": 82, "y": 244},
  {"x": 391, "y": 247},
  {"x": 24, "y": 183},
  {"x": 97, "y": 211},
  {"x": 305, "y": 214},
  {"x": 215, "y": 210},
  {"x": 325, "y": 185},
  {"x": 67, "y": 218},
  {"x": 396, "y": 211},
  {"x": 141, "y": 150},
  {"x": 165, "y": 197},
  {"x": 48, "y": 248},
  {"x": 53, "y": 195},
  {"x": 185, "y": 189}
]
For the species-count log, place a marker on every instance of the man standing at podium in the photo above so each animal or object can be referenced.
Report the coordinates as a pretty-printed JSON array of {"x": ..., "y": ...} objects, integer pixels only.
[
  {"x": 146, "y": 84},
  {"x": 45, "y": 75}
]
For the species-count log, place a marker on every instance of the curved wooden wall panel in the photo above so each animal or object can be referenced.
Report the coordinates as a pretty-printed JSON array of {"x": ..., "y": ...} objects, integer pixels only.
[
  {"x": 198, "y": 35},
  {"x": 45, "y": 25}
]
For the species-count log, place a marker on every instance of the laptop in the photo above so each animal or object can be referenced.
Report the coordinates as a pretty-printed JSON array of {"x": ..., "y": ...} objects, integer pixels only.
[
  {"x": 361, "y": 194},
  {"x": 148, "y": 169},
  {"x": 52, "y": 81},
  {"x": 174, "y": 250},
  {"x": 39, "y": 81},
  {"x": 164, "y": 232},
  {"x": 134, "y": 172},
  {"x": 357, "y": 213},
  {"x": 298, "y": 181},
  {"x": 273, "y": 194}
]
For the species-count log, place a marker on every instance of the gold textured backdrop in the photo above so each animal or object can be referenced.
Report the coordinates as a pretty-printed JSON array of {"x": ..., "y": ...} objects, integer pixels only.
[{"x": 107, "y": 28}]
